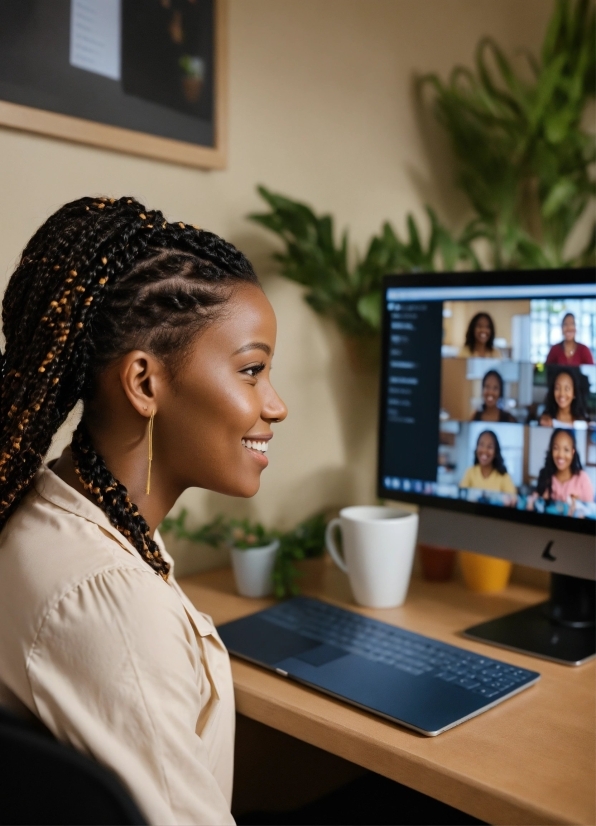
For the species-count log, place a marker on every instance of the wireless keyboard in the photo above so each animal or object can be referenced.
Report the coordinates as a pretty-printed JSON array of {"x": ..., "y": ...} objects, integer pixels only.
[
  {"x": 405, "y": 650},
  {"x": 421, "y": 683}
]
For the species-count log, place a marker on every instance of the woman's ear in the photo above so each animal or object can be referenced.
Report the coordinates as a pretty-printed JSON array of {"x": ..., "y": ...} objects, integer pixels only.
[{"x": 141, "y": 376}]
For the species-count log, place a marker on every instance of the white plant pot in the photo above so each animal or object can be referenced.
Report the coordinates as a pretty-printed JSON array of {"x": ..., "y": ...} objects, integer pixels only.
[{"x": 253, "y": 569}]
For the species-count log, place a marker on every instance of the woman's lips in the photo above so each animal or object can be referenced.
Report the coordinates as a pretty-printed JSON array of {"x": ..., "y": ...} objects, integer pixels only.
[
  {"x": 259, "y": 457},
  {"x": 257, "y": 447}
]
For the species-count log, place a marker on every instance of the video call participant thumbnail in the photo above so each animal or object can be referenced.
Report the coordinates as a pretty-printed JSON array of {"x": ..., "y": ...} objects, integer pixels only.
[
  {"x": 569, "y": 351},
  {"x": 492, "y": 393},
  {"x": 564, "y": 403},
  {"x": 488, "y": 471},
  {"x": 480, "y": 338},
  {"x": 562, "y": 478}
]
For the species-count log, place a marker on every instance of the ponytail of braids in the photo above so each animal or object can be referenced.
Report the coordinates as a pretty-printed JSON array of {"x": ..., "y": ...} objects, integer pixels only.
[{"x": 99, "y": 278}]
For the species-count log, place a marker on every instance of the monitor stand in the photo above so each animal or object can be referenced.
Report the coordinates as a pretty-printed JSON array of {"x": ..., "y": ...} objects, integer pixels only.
[{"x": 562, "y": 629}]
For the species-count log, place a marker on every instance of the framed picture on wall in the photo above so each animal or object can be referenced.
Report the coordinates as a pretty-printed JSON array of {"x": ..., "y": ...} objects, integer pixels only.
[{"x": 146, "y": 77}]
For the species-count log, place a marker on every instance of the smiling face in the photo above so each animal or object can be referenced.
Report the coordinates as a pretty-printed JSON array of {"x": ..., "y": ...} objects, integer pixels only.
[
  {"x": 568, "y": 328},
  {"x": 485, "y": 450},
  {"x": 563, "y": 392},
  {"x": 491, "y": 391},
  {"x": 214, "y": 420},
  {"x": 563, "y": 452},
  {"x": 482, "y": 331}
]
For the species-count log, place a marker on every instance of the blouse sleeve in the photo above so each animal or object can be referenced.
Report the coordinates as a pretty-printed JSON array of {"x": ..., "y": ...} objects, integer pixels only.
[{"x": 116, "y": 672}]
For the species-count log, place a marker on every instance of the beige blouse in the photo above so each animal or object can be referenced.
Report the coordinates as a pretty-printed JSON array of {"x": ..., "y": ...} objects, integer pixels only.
[{"x": 113, "y": 659}]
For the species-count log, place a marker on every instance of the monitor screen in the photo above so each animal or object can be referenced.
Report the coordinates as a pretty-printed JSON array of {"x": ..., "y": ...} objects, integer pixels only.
[{"x": 488, "y": 398}]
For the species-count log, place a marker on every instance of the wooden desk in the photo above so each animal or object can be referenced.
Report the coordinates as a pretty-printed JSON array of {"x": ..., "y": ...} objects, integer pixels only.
[{"x": 530, "y": 760}]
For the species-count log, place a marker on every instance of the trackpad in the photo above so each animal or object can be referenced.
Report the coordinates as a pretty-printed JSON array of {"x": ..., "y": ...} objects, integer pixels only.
[{"x": 320, "y": 655}]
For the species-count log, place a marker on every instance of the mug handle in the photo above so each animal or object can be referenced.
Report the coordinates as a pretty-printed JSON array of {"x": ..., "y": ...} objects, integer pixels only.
[{"x": 332, "y": 547}]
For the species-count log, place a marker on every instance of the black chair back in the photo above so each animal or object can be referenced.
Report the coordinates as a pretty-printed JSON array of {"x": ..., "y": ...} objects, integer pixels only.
[{"x": 44, "y": 781}]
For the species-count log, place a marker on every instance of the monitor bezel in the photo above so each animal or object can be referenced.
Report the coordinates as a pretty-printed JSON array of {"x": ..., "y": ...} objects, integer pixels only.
[{"x": 488, "y": 278}]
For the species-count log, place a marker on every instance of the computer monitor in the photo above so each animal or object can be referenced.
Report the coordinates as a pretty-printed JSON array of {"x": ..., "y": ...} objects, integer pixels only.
[{"x": 488, "y": 423}]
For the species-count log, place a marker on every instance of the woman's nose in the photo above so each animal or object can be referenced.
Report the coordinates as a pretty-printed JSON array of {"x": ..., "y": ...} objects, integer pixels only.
[{"x": 274, "y": 409}]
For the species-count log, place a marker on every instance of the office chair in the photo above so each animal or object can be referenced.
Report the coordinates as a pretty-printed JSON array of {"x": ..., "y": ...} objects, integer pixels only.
[{"x": 44, "y": 781}]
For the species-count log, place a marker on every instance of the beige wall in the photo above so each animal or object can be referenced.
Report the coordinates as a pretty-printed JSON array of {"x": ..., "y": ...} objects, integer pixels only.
[{"x": 321, "y": 108}]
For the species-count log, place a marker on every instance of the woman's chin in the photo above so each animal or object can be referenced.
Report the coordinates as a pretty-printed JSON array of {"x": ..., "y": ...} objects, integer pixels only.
[{"x": 243, "y": 489}]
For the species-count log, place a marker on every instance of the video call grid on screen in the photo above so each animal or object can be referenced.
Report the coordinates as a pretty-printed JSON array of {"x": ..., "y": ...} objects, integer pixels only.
[{"x": 509, "y": 431}]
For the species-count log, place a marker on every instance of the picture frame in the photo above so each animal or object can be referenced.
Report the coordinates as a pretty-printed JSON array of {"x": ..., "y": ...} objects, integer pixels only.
[{"x": 17, "y": 103}]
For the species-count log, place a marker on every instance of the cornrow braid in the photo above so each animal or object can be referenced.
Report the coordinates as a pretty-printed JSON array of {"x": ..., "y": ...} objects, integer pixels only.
[
  {"x": 112, "y": 497},
  {"x": 100, "y": 277}
]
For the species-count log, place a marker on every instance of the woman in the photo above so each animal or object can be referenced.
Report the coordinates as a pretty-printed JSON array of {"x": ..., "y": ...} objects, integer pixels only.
[
  {"x": 488, "y": 471},
  {"x": 562, "y": 478},
  {"x": 492, "y": 393},
  {"x": 564, "y": 403},
  {"x": 569, "y": 351},
  {"x": 164, "y": 333},
  {"x": 480, "y": 338}
]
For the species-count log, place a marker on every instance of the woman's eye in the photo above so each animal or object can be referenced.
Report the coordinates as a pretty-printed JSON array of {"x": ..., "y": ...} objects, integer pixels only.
[{"x": 254, "y": 370}]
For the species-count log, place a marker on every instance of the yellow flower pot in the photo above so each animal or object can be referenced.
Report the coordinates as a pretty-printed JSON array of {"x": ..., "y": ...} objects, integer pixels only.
[{"x": 484, "y": 574}]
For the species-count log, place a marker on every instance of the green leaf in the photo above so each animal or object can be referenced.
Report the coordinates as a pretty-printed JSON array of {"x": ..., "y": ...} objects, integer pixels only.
[
  {"x": 554, "y": 31},
  {"x": 561, "y": 192},
  {"x": 369, "y": 308}
]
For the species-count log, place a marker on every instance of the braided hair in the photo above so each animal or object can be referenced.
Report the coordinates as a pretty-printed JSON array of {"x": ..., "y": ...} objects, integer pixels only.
[{"x": 99, "y": 278}]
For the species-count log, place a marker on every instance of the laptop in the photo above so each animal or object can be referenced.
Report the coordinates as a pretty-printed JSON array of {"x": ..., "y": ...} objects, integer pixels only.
[{"x": 409, "y": 679}]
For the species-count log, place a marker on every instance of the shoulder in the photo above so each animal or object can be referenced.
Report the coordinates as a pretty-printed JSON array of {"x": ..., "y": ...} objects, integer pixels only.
[
  {"x": 115, "y": 610},
  {"x": 585, "y": 353},
  {"x": 507, "y": 483},
  {"x": 584, "y": 479},
  {"x": 468, "y": 475},
  {"x": 121, "y": 635},
  {"x": 50, "y": 543},
  {"x": 47, "y": 553},
  {"x": 505, "y": 416},
  {"x": 554, "y": 353}
]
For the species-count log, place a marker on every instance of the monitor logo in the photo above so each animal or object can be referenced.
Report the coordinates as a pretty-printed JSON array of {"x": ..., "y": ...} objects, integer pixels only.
[{"x": 546, "y": 554}]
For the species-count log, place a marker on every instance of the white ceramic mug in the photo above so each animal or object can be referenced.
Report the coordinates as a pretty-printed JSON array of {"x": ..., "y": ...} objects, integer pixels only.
[{"x": 378, "y": 552}]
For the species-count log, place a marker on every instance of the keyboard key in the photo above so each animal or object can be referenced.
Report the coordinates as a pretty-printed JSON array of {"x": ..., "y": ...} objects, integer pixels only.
[
  {"x": 466, "y": 682},
  {"x": 488, "y": 692},
  {"x": 447, "y": 676}
]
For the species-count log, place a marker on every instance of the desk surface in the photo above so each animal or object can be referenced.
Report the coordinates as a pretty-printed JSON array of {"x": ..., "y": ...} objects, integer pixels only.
[{"x": 529, "y": 760}]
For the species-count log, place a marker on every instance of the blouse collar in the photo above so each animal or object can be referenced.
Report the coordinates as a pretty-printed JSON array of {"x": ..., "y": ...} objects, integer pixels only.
[{"x": 55, "y": 490}]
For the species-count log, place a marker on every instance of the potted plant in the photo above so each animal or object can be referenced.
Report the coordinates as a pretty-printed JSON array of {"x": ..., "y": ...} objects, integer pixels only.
[
  {"x": 264, "y": 561},
  {"x": 523, "y": 158},
  {"x": 350, "y": 293},
  {"x": 253, "y": 553},
  {"x": 523, "y": 155},
  {"x": 252, "y": 548},
  {"x": 436, "y": 561}
]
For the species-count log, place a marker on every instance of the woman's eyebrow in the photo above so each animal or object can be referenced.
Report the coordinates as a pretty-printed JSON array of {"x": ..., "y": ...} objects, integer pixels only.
[{"x": 255, "y": 345}]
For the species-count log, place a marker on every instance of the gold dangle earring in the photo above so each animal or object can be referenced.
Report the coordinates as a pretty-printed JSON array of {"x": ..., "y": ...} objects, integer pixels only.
[{"x": 150, "y": 452}]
